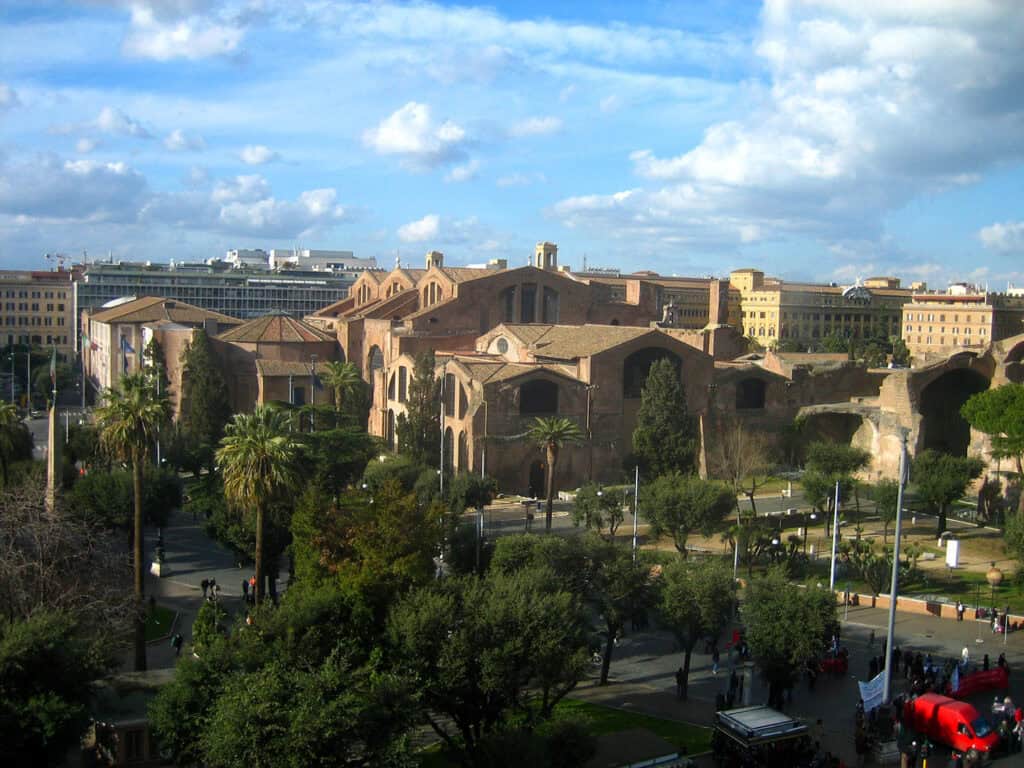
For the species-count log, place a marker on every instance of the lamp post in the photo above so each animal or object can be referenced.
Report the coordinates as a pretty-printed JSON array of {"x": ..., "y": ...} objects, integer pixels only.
[
  {"x": 636, "y": 507},
  {"x": 994, "y": 577}
]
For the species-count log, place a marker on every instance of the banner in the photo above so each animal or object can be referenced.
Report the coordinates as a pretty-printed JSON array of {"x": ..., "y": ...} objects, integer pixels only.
[{"x": 871, "y": 691}]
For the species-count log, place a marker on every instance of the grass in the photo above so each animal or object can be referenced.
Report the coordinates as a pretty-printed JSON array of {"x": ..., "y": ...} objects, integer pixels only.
[
  {"x": 158, "y": 622},
  {"x": 601, "y": 721},
  {"x": 605, "y": 720}
]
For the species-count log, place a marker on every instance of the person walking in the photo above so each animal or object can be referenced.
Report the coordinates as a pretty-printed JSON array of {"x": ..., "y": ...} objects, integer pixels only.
[
  {"x": 176, "y": 643},
  {"x": 679, "y": 683},
  {"x": 205, "y": 584},
  {"x": 245, "y": 590},
  {"x": 715, "y": 657},
  {"x": 959, "y": 610}
]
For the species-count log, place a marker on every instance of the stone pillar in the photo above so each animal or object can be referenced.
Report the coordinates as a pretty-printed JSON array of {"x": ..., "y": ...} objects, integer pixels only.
[{"x": 53, "y": 474}]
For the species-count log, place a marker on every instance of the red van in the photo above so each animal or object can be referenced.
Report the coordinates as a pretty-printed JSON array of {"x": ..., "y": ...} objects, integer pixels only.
[{"x": 947, "y": 721}]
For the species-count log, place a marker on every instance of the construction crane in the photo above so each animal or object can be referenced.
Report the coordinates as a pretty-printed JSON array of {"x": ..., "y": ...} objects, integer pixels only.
[{"x": 60, "y": 258}]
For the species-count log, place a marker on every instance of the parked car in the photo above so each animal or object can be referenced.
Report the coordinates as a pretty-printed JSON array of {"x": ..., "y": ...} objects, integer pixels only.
[{"x": 954, "y": 723}]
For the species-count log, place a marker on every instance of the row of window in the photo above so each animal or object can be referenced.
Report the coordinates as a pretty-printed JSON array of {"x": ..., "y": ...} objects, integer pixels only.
[
  {"x": 962, "y": 341},
  {"x": 955, "y": 331},
  {"x": 23, "y": 307},
  {"x": 930, "y": 317},
  {"x": 36, "y": 339},
  {"x": 35, "y": 294},
  {"x": 23, "y": 321}
]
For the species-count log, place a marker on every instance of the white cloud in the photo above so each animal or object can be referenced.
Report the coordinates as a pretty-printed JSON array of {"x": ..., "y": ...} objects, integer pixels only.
[
  {"x": 411, "y": 133},
  {"x": 257, "y": 154},
  {"x": 116, "y": 122},
  {"x": 1004, "y": 237},
  {"x": 163, "y": 37},
  {"x": 245, "y": 189},
  {"x": 536, "y": 126},
  {"x": 465, "y": 172},
  {"x": 834, "y": 142},
  {"x": 8, "y": 97},
  {"x": 610, "y": 104},
  {"x": 421, "y": 230},
  {"x": 86, "y": 145},
  {"x": 47, "y": 187},
  {"x": 179, "y": 141},
  {"x": 518, "y": 179}
]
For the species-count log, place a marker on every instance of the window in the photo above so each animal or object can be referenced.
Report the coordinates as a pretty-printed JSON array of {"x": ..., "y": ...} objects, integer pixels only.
[
  {"x": 538, "y": 397},
  {"x": 508, "y": 303},
  {"x": 403, "y": 383},
  {"x": 449, "y": 394},
  {"x": 528, "y": 303},
  {"x": 501, "y": 345}
]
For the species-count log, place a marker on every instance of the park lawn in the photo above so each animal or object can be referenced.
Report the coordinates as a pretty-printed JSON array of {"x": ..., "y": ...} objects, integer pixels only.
[
  {"x": 602, "y": 720},
  {"x": 158, "y": 623}
]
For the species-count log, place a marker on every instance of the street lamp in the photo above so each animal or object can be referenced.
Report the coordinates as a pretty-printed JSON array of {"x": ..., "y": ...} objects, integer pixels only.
[{"x": 994, "y": 577}]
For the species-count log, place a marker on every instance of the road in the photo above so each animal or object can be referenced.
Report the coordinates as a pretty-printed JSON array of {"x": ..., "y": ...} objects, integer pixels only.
[{"x": 39, "y": 425}]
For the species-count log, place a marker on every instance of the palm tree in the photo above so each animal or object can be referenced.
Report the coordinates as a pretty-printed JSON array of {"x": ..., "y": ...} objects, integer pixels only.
[
  {"x": 550, "y": 434},
  {"x": 257, "y": 457},
  {"x": 343, "y": 378},
  {"x": 9, "y": 421},
  {"x": 129, "y": 421}
]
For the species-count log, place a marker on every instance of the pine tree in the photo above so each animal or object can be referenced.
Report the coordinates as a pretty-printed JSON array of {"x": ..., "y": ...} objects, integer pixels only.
[
  {"x": 205, "y": 408},
  {"x": 664, "y": 439},
  {"x": 419, "y": 428}
]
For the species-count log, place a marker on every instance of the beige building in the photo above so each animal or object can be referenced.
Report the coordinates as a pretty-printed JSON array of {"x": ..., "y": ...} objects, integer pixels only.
[
  {"x": 114, "y": 338},
  {"x": 939, "y": 324},
  {"x": 772, "y": 310},
  {"x": 38, "y": 309}
]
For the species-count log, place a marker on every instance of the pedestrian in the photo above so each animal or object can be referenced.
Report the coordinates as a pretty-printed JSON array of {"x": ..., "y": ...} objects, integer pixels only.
[
  {"x": 965, "y": 656},
  {"x": 205, "y": 584},
  {"x": 680, "y": 679},
  {"x": 959, "y": 610},
  {"x": 984, "y": 663},
  {"x": 714, "y": 660},
  {"x": 245, "y": 589},
  {"x": 176, "y": 642}
]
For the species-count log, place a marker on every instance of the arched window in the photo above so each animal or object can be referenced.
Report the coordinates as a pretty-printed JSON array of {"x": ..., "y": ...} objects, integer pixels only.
[
  {"x": 449, "y": 447},
  {"x": 391, "y": 430},
  {"x": 637, "y": 366},
  {"x": 463, "y": 402},
  {"x": 538, "y": 397},
  {"x": 750, "y": 393},
  {"x": 463, "y": 463},
  {"x": 501, "y": 345},
  {"x": 449, "y": 394},
  {"x": 374, "y": 363}
]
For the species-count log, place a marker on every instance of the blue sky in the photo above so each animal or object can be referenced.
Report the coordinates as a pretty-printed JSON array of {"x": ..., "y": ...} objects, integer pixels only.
[{"x": 816, "y": 139}]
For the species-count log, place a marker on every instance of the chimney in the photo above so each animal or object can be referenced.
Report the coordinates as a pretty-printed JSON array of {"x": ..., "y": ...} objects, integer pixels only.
[{"x": 435, "y": 259}]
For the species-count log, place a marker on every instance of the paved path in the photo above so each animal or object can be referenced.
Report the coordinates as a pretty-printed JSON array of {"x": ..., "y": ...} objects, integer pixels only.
[
  {"x": 644, "y": 664},
  {"x": 191, "y": 556}
]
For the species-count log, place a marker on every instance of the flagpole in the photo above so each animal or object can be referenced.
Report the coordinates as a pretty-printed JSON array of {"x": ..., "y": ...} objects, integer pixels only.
[
  {"x": 894, "y": 591},
  {"x": 835, "y": 543}
]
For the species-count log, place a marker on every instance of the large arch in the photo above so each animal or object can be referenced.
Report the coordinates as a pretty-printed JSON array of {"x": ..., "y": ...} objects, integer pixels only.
[
  {"x": 449, "y": 448},
  {"x": 463, "y": 462},
  {"x": 750, "y": 393},
  {"x": 942, "y": 427},
  {"x": 538, "y": 397},
  {"x": 1013, "y": 364},
  {"x": 637, "y": 366}
]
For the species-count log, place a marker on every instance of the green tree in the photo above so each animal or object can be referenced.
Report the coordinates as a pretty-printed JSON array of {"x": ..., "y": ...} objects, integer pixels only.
[
  {"x": 46, "y": 671},
  {"x": 1013, "y": 535},
  {"x": 836, "y": 343},
  {"x": 106, "y": 498},
  {"x": 156, "y": 365},
  {"x": 695, "y": 601},
  {"x": 664, "y": 438},
  {"x": 787, "y": 626},
  {"x": 828, "y": 464},
  {"x": 885, "y": 494},
  {"x": 598, "y": 508},
  {"x": 10, "y": 425},
  {"x": 335, "y": 458},
  {"x": 999, "y": 413},
  {"x": 257, "y": 457},
  {"x": 42, "y": 384},
  {"x": 620, "y": 590},
  {"x": 941, "y": 480},
  {"x": 129, "y": 422},
  {"x": 419, "y": 428},
  {"x": 205, "y": 407},
  {"x": 470, "y": 491},
  {"x": 550, "y": 434},
  {"x": 679, "y": 505},
  {"x": 344, "y": 380},
  {"x": 900, "y": 352},
  {"x": 485, "y": 652}
]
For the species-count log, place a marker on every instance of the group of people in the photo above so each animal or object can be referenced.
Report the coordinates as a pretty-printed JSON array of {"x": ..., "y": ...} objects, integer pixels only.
[
  {"x": 211, "y": 589},
  {"x": 998, "y": 621}
]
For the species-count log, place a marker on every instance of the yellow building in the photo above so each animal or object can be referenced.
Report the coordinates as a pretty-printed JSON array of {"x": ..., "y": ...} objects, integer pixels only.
[
  {"x": 939, "y": 324},
  {"x": 37, "y": 309},
  {"x": 772, "y": 310}
]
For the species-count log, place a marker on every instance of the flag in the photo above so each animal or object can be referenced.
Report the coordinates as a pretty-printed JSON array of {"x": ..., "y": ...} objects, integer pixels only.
[
  {"x": 316, "y": 379},
  {"x": 53, "y": 369},
  {"x": 126, "y": 349},
  {"x": 93, "y": 346}
]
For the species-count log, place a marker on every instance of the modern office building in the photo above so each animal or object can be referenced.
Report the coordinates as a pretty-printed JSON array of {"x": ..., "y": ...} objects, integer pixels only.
[
  {"x": 772, "y": 310},
  {"x": 962, "y": 318},
  {"x": 238, "y": 292},
  {"x": 38, "y": 309}
]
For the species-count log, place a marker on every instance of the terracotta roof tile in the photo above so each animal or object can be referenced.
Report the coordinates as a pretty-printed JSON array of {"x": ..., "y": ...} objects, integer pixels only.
[
  {"x": 275, "y": 328},
  {"x": 149, "y": 309},
  {"x": 283, "y": 368}
]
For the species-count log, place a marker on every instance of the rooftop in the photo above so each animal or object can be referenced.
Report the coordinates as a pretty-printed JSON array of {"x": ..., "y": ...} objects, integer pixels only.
[
  {"x": 149, "y": 309},
  {"x": 275, "y": 328}
]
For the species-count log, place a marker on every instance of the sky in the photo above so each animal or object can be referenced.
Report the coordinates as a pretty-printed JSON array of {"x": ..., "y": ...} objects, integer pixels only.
[{"x": 825, "y": 140}]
